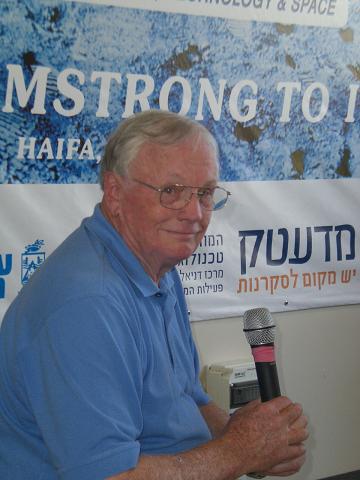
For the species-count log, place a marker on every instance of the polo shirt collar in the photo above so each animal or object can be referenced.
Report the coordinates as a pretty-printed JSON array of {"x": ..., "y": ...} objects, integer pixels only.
[{"x": 126, "y": 260}]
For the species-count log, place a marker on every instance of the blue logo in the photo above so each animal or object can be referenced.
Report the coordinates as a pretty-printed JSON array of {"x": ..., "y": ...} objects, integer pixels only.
[
  {"x": 5, "y": 269},
  {"x": 31, "y": 259}
]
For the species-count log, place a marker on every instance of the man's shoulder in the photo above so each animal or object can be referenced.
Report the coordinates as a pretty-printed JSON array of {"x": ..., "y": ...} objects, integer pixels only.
[
  {"x": 75, "y": 266},
  {"x": 78, "y": 268}
]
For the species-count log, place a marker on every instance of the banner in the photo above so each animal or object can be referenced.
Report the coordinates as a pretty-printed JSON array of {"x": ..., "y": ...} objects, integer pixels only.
[
  {"x": 325, "y": 13},
  {"x": 277, "y": 246},
  {"x": 281, "y": 99}
]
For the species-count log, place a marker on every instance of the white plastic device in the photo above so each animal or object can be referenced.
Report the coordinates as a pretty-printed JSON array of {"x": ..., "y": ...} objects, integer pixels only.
[{"x": 232, "y": 384}]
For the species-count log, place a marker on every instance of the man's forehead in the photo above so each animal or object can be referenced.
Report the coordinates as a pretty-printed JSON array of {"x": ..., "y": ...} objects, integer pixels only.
[{"x": 186, "y": 148}]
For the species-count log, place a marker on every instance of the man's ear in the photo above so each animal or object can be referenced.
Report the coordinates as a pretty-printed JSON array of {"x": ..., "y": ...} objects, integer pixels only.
[{"x": 113, "y": 188}]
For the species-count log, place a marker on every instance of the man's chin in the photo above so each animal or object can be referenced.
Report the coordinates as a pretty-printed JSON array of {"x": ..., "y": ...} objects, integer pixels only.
[
  {"x": 179, "y": 251},
  {"x": 185, "y": 253}
]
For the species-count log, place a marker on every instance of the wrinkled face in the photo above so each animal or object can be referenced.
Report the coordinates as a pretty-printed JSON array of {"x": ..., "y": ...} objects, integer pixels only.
[{"x": 160, "y": 236}]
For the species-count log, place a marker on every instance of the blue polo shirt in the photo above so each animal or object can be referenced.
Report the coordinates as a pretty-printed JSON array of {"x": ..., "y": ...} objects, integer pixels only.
[{"x": 97, "y": 364}]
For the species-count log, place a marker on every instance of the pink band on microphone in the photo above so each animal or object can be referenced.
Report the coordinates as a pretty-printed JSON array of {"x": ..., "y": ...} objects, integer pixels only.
[{"x": 264, "y": 353}]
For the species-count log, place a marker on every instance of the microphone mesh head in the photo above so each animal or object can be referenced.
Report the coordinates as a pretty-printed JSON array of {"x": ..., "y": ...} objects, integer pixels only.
[{"x": 259, "y": 326}]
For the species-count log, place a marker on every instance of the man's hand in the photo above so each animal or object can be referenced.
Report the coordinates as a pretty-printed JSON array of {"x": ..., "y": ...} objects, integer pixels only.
[
  {"x": 285, "y": 469},
  {"x": 268, "y": 436}
]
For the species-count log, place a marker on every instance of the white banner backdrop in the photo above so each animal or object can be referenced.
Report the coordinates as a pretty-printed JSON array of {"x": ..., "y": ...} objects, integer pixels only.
[{"x": 285, "y": 245}]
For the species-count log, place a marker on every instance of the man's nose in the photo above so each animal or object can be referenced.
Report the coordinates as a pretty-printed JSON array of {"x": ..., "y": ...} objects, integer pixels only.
[{"x": 193, "y": 208}]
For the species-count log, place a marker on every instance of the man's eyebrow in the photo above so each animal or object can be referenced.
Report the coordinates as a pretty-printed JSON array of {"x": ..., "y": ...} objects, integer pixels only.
[{"x": 177, "y": 179}]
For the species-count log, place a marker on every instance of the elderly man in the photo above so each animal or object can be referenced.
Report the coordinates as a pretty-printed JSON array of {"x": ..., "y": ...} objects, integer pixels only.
[{"x": 98, "y": 368}]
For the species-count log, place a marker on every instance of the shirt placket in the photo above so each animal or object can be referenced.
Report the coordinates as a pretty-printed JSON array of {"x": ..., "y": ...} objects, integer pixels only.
[{"x": 167, "y": 305}]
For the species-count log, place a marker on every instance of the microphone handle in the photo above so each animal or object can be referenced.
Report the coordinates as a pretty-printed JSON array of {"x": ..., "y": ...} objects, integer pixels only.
[
  {"x": 268, "y": 380},
  {"x": 269, "y": 388}
]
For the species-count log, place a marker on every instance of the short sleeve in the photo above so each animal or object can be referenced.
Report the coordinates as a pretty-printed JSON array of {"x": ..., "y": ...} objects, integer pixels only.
[{"x": 83, "y": 378}]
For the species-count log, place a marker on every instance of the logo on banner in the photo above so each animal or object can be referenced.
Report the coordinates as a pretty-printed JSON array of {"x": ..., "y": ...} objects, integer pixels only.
[
  {"x": 5, "y": 269},
  {"x": 331, "y": 243},
  {"x": 31, "y": 259}
]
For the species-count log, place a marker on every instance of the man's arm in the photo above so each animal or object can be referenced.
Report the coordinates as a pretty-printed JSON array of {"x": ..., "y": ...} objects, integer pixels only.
[
  {"x": 258, "y": 437},
  {"x": 215, "y": 417}
]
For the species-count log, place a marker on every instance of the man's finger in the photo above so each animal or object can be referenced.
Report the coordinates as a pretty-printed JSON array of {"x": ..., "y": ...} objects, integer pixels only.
[{"x": 292, "y": 412}]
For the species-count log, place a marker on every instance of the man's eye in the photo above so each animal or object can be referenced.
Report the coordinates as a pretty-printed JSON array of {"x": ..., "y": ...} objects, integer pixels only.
[
  {"x": 172, "y": 189},
  {"x": 206, "y": 192}
]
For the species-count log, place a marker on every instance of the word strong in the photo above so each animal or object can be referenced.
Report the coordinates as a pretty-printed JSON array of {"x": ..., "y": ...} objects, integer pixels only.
[{"x": 240, "y": 95}]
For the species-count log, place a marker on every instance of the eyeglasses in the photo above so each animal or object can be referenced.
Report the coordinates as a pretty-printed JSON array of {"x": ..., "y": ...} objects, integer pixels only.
[{"x": 178, "y": 196}]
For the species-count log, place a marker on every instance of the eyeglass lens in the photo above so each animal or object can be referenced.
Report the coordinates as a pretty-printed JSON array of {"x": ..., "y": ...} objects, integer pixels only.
[{"x": 177, "y": 196}]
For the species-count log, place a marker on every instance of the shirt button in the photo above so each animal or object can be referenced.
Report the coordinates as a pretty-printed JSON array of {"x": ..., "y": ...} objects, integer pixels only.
[{"x": 158, "y": 294}]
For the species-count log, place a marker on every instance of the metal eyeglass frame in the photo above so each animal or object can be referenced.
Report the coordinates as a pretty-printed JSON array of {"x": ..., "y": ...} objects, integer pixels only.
[{"x": 161, "y": 190}]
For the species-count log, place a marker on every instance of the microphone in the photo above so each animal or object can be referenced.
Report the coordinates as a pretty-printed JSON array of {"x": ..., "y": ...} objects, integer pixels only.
[{"x": 259, "y": 329}]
